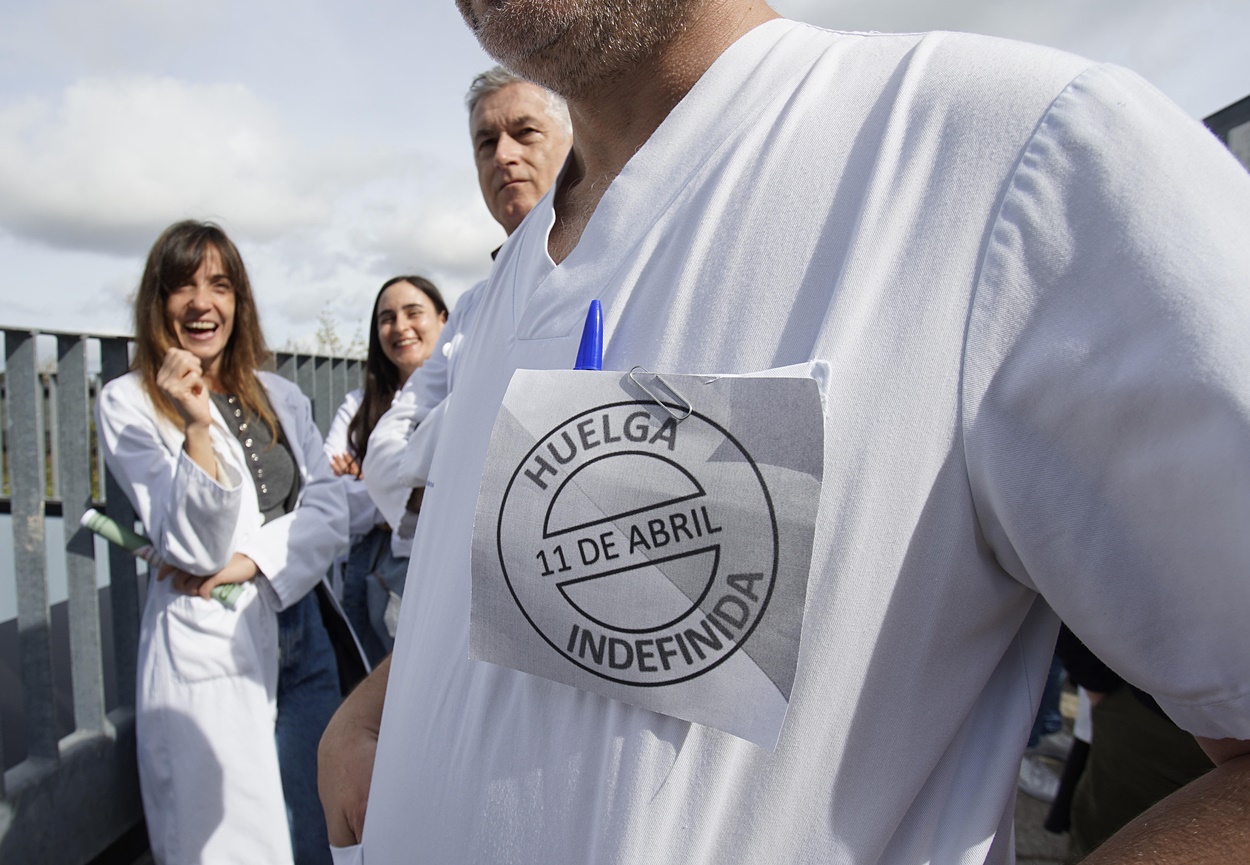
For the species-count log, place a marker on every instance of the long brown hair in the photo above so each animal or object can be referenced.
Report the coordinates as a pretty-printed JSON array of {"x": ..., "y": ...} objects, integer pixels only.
[
  {"x": 172, "y": 263},
  {"x": 381, "y": 375}
]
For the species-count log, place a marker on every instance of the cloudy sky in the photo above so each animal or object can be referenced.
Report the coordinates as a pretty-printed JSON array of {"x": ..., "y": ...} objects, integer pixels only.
[{"x": 329, "y": 138}]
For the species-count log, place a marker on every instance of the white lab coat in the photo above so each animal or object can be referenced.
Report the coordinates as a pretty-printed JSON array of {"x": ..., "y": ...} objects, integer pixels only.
[
  {"x": 401, "y": 445},
  {"x": 206, "y": 694},
  {"x": 364, "y": 513}
]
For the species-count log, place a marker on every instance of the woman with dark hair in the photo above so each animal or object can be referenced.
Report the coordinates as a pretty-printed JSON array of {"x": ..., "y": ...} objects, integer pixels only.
[
  {"x": 407, "y": 318},
  {"x": 226, "y": 470}
]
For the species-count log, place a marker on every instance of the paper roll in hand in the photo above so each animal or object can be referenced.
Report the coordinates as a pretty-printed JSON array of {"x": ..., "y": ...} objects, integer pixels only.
[{"x": 142, "y": 548}]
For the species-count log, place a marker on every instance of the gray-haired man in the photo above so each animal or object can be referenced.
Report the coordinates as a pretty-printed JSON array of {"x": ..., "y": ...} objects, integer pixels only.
[{"x": 521, "y": 135}]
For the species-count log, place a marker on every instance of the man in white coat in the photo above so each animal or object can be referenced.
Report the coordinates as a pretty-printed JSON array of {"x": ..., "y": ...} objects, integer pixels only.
[
  {"x": 521, "y": 134},
  {"x": 1025, "y": 276}
]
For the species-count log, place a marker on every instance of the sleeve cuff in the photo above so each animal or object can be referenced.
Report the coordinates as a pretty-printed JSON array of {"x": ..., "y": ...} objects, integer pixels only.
[{"x": 1229, "y": 719}]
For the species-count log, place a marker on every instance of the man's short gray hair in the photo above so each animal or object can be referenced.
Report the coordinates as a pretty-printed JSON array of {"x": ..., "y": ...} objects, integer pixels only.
[{"x": 493, "y": 80}]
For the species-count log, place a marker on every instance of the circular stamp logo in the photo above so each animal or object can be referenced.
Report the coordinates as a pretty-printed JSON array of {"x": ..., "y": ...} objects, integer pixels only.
[{"x": 642, "y": 549}]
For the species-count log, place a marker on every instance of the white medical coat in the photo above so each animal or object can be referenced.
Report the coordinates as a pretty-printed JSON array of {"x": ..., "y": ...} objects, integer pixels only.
[
  {"x": 207, "y": 676},
  {"x": 1027, "y": 276},
  {"x": 401, "y": 445}
]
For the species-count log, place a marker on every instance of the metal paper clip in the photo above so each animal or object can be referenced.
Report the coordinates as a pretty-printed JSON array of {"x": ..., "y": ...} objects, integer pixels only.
[{"x": 684, "y": 408}]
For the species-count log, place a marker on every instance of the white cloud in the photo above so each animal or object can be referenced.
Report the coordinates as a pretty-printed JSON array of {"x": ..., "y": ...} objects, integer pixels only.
[
  {"x": 113, "y": 161},
  {"x": 107, "y": 165},
  {"x": 426, "y": 218},
  {"x": 432, "y": 224},
  {"x": 108, "y": 33},
  {"x": 342, "y": 268},
  {"x": 340, "y": 157}
]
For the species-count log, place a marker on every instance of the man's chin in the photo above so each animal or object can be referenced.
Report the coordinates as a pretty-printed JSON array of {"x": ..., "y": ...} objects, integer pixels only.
[
  {"x": 573, "y": 46},
  {"x": 522, "y": 36},
  {"x": 513, "y": 212}
]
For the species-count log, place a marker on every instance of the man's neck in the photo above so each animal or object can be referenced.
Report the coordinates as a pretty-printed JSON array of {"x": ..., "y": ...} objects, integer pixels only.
[{"x": 611, "y": 124}]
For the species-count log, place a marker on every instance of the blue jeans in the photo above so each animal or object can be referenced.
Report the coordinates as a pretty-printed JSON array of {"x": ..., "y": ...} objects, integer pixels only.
[
  {"x": 370, "y": 565},
  {"x": 308, "y": 694}
]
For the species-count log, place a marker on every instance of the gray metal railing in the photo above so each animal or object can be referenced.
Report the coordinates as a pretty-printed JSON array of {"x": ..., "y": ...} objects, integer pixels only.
[{"x": 70, "y": 786}]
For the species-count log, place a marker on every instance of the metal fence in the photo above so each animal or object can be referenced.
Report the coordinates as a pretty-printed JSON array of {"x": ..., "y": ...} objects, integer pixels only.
[{"x": 71, "y": 787}]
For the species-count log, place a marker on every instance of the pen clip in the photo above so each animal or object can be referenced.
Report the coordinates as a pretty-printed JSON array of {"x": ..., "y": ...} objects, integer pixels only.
[{"x": 683, "y": 404}]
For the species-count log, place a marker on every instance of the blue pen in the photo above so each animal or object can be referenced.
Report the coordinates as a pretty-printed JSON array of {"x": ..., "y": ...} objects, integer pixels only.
[{"x": 590, "y": 352}]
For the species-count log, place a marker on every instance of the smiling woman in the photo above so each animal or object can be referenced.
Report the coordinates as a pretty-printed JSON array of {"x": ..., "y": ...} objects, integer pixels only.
[
  {"x": 227, "y": 472},
  {"x": 408, "y": 316},
  {"x": 201, "y": 313}
]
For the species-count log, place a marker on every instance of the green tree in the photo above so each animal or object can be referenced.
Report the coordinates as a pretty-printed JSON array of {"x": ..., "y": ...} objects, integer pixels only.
[{"x": 328, "y": 339}]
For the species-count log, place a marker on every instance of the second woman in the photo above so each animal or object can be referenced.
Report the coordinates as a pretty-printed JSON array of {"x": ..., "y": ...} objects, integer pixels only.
[{"x": 407, "y": 318}]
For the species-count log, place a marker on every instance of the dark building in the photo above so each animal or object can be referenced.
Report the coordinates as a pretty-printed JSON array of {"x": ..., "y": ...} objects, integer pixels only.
[{"x": 1232, "y": 126}]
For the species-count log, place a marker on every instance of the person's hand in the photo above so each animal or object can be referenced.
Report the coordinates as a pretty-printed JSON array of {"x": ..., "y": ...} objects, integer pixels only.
[
  {"x": 239, "y": 569},
  {"x": 181, "y": 378},
  {"x": 345, "y": 758},
  {"x": 415, "y": 498},
  {"x": 345, "y": 464}
]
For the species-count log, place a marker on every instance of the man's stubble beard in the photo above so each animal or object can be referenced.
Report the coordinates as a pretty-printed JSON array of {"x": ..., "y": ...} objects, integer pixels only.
[{"x": 574, "y": 47}]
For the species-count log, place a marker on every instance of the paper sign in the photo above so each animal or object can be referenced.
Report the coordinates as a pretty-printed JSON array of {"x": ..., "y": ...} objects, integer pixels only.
[{"x": 649, "y": 539}]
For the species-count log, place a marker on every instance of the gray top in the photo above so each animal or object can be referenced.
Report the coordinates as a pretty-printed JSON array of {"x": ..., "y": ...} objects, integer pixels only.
[{"x": 272, "y": 468}]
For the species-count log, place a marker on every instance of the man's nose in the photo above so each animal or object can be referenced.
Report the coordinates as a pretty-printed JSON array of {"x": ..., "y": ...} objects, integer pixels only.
[{"x": 507, "y": 150}]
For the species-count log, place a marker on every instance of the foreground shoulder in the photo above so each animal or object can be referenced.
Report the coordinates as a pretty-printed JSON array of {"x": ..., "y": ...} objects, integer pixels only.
[
  {"x": 957, "y": 94},
  {"x": 985, "y": 78},
  {"x": 953, "y": 56}
]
